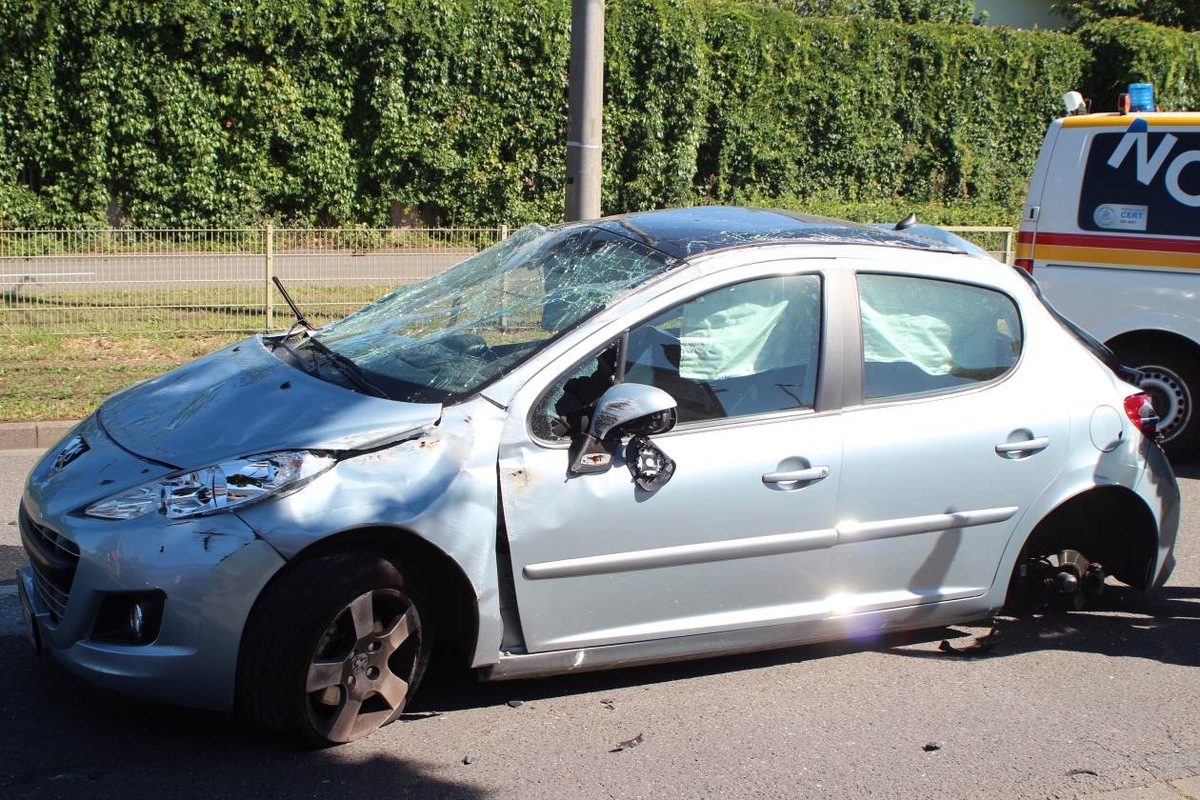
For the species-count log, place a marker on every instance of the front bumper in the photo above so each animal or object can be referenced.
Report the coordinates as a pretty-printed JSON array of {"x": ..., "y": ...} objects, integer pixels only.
[
  {"x": 206, "y": 573},
  {"x": 193, "y": 662}
]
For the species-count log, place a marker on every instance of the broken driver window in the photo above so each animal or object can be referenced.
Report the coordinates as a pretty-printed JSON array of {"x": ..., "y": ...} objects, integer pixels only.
[{"x": 565, "y": 409}]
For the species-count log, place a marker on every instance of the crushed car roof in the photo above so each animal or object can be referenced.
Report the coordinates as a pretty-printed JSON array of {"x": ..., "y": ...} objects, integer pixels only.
[{"x": 687, "y": 232}]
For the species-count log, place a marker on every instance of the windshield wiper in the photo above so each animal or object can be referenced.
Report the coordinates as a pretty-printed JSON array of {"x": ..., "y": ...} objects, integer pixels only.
[
  {"x": 345, "y": 365},
  {"x": 300, "y": 318},
  {"x": 351, "y": 371}
]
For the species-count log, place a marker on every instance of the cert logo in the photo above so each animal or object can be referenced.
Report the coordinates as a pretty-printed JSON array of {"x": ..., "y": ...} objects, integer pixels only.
[{"x": 1115, "y": 217}]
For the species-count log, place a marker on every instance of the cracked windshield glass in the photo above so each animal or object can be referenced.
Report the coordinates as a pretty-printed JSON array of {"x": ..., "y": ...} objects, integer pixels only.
[{"x": 447, "y": 337}]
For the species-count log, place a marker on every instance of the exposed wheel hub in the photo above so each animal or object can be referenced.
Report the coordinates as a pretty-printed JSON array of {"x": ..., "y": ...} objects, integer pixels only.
[{"x": 1066, "y": 579}]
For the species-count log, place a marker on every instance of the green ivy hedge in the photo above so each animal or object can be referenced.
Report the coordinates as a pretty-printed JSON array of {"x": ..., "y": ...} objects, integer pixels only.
[
  {"x": 1127, "y": 51},
  {"x": 866, "y": 109},
  {"x": 226, "y": 112}
]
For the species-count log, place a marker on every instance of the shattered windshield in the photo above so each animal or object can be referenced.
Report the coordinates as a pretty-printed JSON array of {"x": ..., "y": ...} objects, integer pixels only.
[{"x": 446, "y": 337}]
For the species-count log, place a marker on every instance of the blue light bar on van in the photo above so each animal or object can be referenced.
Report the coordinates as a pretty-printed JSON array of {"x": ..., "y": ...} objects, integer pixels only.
[{"x": 1141, "y": 97}]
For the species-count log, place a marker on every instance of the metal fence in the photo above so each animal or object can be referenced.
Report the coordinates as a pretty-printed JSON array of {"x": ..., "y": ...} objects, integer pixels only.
[
  {"x": 114, "y": 282},
  {"x": 999, "y": 241},
  {"x": 192, "y": 280}
]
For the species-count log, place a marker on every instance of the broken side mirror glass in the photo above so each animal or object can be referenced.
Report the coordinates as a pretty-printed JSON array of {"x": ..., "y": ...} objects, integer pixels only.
[
  {"x": 627, "y": 409},
  {"x": 650, "y": 467}
]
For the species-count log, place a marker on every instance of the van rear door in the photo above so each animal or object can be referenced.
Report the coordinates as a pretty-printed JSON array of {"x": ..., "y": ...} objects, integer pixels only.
[{"x": 1031, "y": 215}]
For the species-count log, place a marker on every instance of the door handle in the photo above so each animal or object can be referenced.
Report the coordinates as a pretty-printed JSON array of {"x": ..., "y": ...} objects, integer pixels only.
[
  {"x": 797, "y": 475},
  {"x": 1028, "y": 447}
]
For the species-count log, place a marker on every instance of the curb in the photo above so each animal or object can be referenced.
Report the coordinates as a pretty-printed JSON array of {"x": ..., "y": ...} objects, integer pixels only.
[{"x": 33, "y": 435}]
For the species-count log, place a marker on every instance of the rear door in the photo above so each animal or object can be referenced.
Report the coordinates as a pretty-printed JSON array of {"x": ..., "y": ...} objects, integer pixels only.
[{"x": 953, "y": 439}]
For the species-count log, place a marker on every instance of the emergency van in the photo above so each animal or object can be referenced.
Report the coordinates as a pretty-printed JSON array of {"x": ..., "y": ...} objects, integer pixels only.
[{"x": 1111, "y": 231}]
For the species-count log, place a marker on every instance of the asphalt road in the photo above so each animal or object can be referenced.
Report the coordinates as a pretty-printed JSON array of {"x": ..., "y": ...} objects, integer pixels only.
[{"x": 1060, "y": 706}]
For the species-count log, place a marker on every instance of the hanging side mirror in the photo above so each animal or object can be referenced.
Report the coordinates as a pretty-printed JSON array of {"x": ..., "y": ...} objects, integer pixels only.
[{"x": 627, "y": 409}]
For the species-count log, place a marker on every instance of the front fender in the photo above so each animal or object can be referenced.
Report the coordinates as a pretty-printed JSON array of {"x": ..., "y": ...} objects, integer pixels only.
[{"x": 440, "y": 486}]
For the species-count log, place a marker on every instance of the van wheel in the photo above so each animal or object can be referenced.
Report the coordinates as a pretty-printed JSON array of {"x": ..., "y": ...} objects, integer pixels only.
[
  {"x": 333, "y": 650},
  {"x": 1171, "y": 376}
]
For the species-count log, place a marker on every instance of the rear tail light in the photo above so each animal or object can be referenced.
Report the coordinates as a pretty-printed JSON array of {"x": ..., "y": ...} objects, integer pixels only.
[
  {"x": 1141, "y": 413},
  {"x": 1025, "y": 264}
]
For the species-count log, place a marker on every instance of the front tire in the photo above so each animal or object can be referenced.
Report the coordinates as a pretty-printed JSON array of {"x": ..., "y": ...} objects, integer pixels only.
[
  {"x": 1171, "y": 376},
  {"x": 334, "y": 649}
]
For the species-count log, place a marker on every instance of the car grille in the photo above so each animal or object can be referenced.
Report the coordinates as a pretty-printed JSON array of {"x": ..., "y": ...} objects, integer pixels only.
[{"x": 53, "y": 558}]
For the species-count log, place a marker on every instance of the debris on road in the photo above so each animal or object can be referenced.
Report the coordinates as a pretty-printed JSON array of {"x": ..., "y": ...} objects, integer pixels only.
[
  {"x": 979, "y": 646},
  {"x": 415, "y": 715},
  {"x": 628, "y": 744}
]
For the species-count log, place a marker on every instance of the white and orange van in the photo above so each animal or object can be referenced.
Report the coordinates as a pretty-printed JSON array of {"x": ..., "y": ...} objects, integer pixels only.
[{"x": 1111, "y": 231}]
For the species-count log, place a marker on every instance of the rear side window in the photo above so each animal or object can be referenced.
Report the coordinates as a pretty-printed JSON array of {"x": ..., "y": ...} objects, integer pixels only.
[
  {"x": 921, "y": 335},
  {"x": 1138, "y": 182}
]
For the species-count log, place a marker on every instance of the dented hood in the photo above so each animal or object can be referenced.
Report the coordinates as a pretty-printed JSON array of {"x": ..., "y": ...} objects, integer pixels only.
[{"x": 242, "y": 401}]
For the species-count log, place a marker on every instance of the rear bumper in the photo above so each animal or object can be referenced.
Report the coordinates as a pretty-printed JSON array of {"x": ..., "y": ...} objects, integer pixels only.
[{"x": 1159, "y": 489}]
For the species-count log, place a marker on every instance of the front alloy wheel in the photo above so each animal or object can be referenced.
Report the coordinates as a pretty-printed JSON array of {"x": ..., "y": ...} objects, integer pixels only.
[
  {"x": 334, "y": 649},
  {"x": 360, "y": 674}
]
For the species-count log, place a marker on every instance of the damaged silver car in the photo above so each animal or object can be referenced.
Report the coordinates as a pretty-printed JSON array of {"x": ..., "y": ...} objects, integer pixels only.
[{"x": 651, "y": 437}]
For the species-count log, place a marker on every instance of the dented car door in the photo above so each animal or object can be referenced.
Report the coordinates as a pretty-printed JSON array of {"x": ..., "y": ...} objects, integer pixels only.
[{"x": 738, "y": 537}]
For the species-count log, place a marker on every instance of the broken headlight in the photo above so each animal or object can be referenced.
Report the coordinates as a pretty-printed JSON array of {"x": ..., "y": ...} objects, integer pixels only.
[{"x": 221, "y": 487}]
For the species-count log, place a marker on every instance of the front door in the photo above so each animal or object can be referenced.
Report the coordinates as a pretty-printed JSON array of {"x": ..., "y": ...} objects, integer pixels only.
[{"x": 739, "y": 537}]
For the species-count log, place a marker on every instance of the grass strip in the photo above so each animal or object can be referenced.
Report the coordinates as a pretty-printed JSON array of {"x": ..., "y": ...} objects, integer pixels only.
[{"x": 45, "y": 377}]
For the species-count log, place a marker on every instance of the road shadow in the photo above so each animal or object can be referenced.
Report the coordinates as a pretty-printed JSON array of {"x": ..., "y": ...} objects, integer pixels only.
[
  {"x": 55, "y": 724},
  {"x": 1164, "y": 627},
  {"x": 64, "y": 739},
  {"x": 1189, "y": 470}
]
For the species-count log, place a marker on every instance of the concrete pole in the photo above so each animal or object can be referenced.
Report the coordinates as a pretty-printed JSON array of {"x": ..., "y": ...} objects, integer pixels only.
[{"x": 586, "y": 101}]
